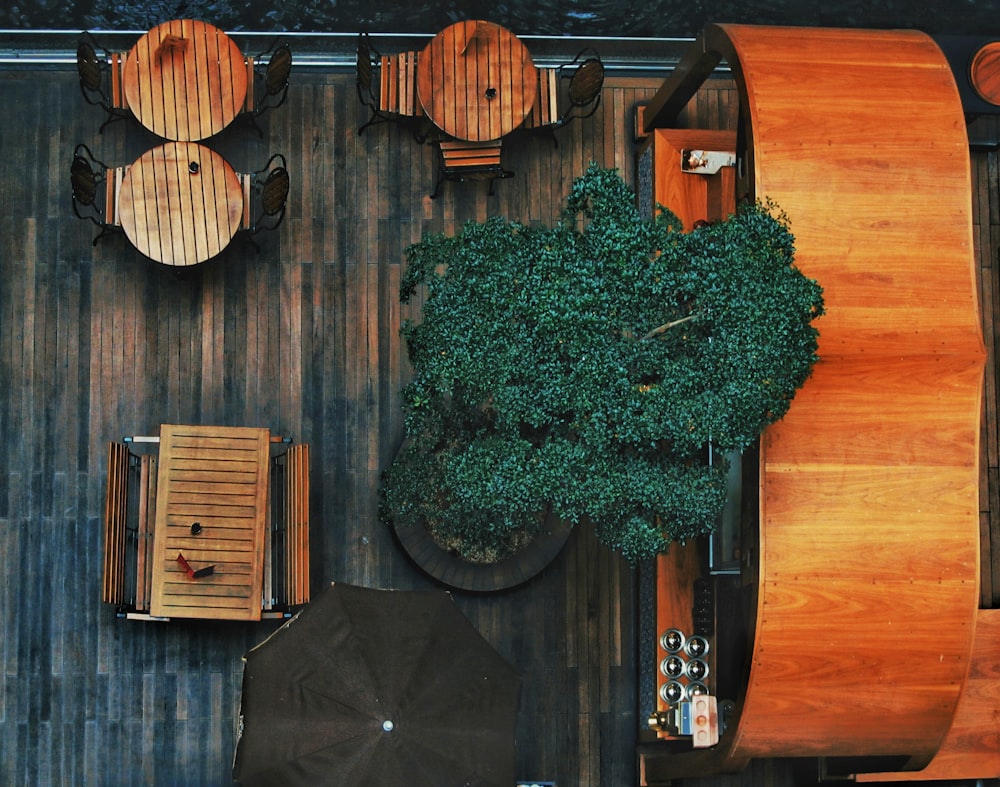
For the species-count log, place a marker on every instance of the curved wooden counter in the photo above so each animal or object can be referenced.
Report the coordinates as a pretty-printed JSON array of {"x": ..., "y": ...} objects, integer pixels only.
[{"x": 867, "y": 566}]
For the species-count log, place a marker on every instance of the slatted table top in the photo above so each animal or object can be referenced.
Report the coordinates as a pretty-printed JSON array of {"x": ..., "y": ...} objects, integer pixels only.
[
  {"x": 185, "y": 80},
  {"x": 180, "y": 203},
  {"x": 217, "y": 477},
  {"x": 476, "y": 81}
]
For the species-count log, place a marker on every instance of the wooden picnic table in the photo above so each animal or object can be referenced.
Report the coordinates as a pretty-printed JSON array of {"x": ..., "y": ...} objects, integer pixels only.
[
  {"x": 180, "y": 203},
  {"x": 216, "y": 477},
  {"x": 185, "y": 80},
  {"x": 476, "y": 81}
]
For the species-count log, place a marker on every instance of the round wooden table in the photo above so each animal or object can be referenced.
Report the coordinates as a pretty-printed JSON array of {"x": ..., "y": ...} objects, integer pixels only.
[
  {"x": 984, "y": 72},
  {"x": 180, "y": 203},
  {"x": 185, "y": 80},
  {"x": 476, "y": 81}
]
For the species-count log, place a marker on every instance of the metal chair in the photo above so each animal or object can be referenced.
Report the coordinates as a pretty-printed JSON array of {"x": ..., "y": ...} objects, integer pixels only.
[
  {"x": 369, "y": 89},
  {"x": 275, "y": 79},
  {"x": 462, "y": 161},
  {"x": 586, "y": 78},
  {"x": 92, "y": 69},
  {"x": 90, "y": 177},
  {"x": 555, "y": 107},
  {"x": 265, "y": 197}
]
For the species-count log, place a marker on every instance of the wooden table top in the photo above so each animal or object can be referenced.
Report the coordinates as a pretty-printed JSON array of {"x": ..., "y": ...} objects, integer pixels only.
[
  {"x": 185, "y": 80},
  {"x": 216, "y": 476},
  {"x": 984, "y": 72},
  {"x": 476, "y": 81},
  {"x": 180, "y": 203}
]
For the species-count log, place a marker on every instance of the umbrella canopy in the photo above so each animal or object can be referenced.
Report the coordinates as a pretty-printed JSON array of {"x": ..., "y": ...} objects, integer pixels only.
[{"x": 377, "y": 687}]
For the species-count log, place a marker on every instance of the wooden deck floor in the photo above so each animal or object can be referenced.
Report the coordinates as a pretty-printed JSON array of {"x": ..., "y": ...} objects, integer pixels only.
[{"x": 302, "y": 338}]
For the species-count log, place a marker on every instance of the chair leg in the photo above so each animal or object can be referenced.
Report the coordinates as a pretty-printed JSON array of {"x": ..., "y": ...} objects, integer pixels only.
[
  {"x": 374, "y": 120},
  {"x": 111, "y": 118},
  {"x": 437, "y": 185},
  {"x": 260, "y": 131},
  {"x": 107, "y": 229}
]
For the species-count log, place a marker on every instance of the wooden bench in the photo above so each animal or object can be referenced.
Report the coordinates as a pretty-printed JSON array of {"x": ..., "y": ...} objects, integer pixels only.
[
  {"x": 117, "y": 60},
  {"x": 129, "y": 514},
  {"x": 286, "y": 580}
]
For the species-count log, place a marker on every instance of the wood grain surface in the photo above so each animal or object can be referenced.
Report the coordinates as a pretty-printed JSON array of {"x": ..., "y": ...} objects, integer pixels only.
[
  {"x": 217, "y": 477},
  {"x": 180, "y": 203},
  {"x": 185, "y": 80},
  {"x": 476, "y": 81},
  {"x": 868, "y": 550}
]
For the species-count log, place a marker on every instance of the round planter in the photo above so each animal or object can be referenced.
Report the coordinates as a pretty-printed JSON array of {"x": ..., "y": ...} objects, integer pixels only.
[{"x": 455, "y": 572}]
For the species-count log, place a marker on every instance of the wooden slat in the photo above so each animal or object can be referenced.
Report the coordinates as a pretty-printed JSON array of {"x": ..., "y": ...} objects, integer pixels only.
[
  {"x": 297, "y": 524},
  {"x": 545, "y": 109},
  {"x": 144, "y": 543},
  {"x": 459, "y": 154},
  {"x": 398, "y": 85},
  {"x": 115, "y": 511},
  {"x": 249, "y": 101},
  {"x": 117, "y": 60}
]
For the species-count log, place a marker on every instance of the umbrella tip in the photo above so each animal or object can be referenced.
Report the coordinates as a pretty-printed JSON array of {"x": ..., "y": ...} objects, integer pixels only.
[{"x": 387, "y": 725}]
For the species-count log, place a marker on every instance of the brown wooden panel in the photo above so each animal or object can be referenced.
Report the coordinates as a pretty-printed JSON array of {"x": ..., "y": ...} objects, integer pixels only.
[
  {"x": 693, "y": 197},
  {"x": 297, "y": 524}
]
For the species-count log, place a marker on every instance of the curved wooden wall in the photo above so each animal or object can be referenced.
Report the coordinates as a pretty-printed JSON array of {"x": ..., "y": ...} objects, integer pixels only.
[{"x": 868, "y": 555}]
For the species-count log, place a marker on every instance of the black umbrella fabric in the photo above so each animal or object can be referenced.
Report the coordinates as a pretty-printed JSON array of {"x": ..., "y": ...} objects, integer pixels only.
[{"x": 377, "y": 687}]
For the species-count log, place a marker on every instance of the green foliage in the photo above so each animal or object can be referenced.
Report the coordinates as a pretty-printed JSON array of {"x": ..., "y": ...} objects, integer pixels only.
[{"x": 583, "y": 369}]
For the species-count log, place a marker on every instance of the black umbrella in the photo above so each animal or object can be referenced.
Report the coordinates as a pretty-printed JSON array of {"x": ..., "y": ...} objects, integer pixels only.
[{"x": 377, "y": 687}]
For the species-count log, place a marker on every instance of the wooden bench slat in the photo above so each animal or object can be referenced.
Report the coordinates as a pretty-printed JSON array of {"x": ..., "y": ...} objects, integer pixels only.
[
  {"x": 144, "y": 539},
  {"x": 115, "y": 514},
  {"x": 297, "y": 521}
]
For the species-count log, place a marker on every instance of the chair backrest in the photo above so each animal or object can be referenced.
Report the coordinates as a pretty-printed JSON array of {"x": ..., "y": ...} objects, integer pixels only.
[
  {"x": 88, "y": 177},
  {"x": 367, "y": 57},
  {"x": 91, "y": 74},
  {"x": 279, "y": 69},
  {"x": 84, "y": 179},
  {"x": 586, "y": 78},
  {"x": 585, "y": 85},
  {"x": 276, "y": 79},
  {"x": 274, "y": 194},
  {"x": 271, "y": 195}
]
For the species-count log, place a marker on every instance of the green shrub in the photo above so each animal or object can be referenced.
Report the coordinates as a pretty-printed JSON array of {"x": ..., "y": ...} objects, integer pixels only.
[{"x": 584, "y": 369}]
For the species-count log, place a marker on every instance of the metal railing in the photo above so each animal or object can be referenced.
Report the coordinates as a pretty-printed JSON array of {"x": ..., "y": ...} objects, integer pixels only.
[{"x": 625, "y": 56}]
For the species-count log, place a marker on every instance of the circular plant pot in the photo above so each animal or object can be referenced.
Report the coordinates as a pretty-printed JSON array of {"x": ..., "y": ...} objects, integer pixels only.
[{"x": 456, "y": 572}]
